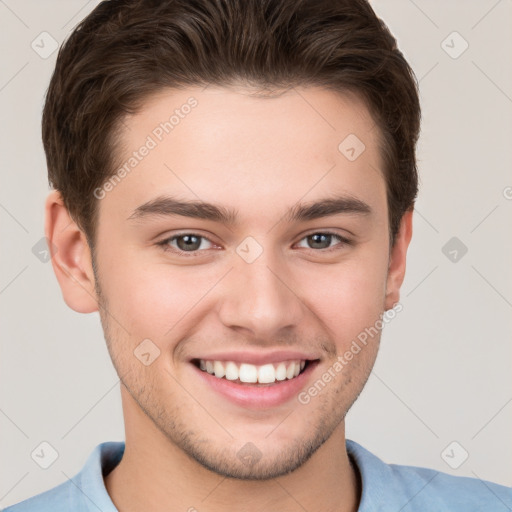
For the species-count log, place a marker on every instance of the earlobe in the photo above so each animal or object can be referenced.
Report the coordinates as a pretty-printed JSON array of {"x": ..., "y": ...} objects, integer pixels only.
[
  {"x": 71, "y": 256},
  {"x": 397, "y": 260}
]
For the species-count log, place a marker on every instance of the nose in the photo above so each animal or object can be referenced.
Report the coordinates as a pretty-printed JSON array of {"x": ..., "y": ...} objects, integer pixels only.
[{"x": 260, "y": 298}]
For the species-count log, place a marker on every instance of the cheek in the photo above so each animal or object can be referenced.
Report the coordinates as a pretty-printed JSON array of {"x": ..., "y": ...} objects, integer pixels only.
[
  {"x": 149, "y": 303},
  {"x": 347, "y": 297},
  {"x": 150, "y": 299}
]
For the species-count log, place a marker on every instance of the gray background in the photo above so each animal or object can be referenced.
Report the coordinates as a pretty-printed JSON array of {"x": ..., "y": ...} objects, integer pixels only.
[{"x": 444, "y": 370}]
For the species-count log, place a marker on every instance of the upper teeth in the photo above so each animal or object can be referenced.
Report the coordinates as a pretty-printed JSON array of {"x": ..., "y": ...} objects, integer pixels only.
[{"x": 264, "y": 374}]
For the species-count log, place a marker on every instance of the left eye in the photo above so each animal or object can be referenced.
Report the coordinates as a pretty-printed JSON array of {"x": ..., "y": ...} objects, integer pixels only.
[
  {"x": 190, "y": 244},
  {"x": 323, "y": 240}
]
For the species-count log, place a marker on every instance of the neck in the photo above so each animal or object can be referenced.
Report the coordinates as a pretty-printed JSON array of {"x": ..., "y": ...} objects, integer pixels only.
[{"x": 157, "y": 476}]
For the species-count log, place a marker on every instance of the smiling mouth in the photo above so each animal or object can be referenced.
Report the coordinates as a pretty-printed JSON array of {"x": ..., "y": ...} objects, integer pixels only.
[{"x": 246, "y": 373}]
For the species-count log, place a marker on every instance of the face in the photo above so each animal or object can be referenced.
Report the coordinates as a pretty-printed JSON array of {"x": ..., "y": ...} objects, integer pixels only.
[{"x": 211, "y": 311}]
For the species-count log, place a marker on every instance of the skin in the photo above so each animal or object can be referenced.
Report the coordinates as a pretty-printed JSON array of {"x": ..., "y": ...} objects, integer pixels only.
[{"x": 259, "y": 156}]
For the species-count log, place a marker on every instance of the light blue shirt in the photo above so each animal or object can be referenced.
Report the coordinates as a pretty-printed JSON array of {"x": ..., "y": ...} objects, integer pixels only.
[{"x": 385, "y": 487}]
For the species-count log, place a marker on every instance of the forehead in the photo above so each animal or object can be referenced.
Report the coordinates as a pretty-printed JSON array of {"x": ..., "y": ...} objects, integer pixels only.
[{"x": 231, "y": 147}]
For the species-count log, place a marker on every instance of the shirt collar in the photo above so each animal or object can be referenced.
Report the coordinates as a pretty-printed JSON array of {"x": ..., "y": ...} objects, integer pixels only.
[{"x": 377, "y": 495}]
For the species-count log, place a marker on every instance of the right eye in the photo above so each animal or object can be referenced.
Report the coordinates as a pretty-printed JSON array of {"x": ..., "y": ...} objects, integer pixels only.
[{"x": 186, "y": 244}]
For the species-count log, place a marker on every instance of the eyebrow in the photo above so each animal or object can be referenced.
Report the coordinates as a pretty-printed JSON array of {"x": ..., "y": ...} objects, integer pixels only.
[{"x": 170, "y": 206}]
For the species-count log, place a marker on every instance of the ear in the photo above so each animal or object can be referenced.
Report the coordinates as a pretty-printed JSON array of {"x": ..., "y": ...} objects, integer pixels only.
[
  {"x": 71, "y": 256},
  {"x": 397, "y": 260}
]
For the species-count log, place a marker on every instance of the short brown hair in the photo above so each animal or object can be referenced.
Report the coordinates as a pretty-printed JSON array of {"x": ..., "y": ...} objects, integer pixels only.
[{"x": 126, "y": 50}]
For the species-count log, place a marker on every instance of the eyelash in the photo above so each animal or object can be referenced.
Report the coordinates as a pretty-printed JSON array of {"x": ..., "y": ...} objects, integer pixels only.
[{"x": 166, "y": 247}]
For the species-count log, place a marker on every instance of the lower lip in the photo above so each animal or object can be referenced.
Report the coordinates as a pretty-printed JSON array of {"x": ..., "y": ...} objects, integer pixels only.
[{"x": 258, "y": 396}]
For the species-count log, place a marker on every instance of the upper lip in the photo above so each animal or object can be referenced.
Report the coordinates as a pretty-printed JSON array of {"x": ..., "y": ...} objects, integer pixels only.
[{"x": 258, "y": 358}]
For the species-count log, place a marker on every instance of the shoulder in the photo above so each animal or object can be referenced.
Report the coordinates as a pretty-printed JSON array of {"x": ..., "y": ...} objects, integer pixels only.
[
  {"x": 82, "y": 493},
  {"x": 416, "y": 488},
  {"x": 424, "y": 487},
  {"x": 58, "y": 499}
]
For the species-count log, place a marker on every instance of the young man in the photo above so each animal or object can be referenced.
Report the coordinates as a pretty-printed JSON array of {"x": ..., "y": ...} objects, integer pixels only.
[{"x": 234, "y": 187}]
